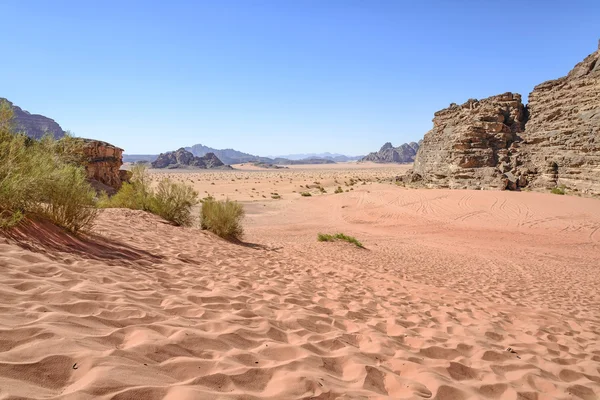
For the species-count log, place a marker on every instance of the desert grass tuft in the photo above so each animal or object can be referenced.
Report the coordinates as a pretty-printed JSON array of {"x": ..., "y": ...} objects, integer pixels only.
[{"x": 324, "y": 237}]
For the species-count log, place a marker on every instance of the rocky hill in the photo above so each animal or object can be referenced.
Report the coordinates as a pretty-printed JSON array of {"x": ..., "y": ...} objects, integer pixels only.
[
  {"x": 183, "y": 158},
  {"x": 389, "y": 154},
  {"x": 228, "y": 156},
  {"x": 33, "y": 125},
  {"x": 498, "y": 143}
]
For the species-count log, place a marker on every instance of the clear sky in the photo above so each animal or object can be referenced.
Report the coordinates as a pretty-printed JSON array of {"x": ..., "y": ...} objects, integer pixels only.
[{"x": 280, "y": 76}]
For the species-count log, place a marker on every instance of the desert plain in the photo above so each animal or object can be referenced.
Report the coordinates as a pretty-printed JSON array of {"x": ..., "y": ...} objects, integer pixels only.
[{"x": 457, "y": 294}]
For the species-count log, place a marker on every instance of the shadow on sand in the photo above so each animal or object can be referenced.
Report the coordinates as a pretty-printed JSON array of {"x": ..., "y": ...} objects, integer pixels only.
[{"x": 44, "y": 237}]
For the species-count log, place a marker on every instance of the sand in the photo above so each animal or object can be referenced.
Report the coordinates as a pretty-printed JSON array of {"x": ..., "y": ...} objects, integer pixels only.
[{"x": 458, "y": 295}]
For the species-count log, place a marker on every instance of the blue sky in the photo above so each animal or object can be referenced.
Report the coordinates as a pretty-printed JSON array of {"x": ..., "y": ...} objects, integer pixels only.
[{"x": 275, "y": 77}]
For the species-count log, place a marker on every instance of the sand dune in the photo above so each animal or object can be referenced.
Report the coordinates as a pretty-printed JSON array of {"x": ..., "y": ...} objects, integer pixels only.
[{"x": 458, "y": 295}]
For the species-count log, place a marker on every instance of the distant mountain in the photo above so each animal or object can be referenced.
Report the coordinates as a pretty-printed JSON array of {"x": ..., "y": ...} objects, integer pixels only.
[
  {"x": 285, "y": 161},
  {"x": 139, "y": 157},
  {"x": 183, "y": 158},
  {"x": 33, "y": 125},
  {"x": 228, "y": 156},
  {"x": 231, "y": 156},
  {"x": 326, "y": 156},
  {"x": 404, "y": 153}
]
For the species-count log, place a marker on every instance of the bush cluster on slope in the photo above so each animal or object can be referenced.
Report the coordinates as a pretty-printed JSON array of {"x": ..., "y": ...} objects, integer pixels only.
[
  {"x": 172, "y": 201},
  {"x": 42, "y": 178}
]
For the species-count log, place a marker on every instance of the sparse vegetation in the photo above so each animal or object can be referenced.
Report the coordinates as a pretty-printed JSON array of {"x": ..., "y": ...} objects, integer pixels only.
[
  {"x": 172, "y": 201},
  {"x": 42, "y": 178},
  {"x": 305, "y": 194},
  {"x": 339, "y": 190},
  {"x": 323, "y": 237},
  {"x": 222, "y": 218},
  {"x": 558, "y": 190}
]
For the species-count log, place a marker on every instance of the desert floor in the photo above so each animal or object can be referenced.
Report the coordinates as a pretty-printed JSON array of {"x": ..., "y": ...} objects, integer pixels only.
[{"x": 457, "y": 295}]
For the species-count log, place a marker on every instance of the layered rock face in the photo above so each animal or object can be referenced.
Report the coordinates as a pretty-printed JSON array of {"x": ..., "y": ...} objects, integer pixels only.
[
  {"x": 103, "y": 163},
  {"x": 471, "y": 145},
  {"x": 497, "y": 143},
  {"x": 33, "y": 125},
  {"x": 561, "y": 145},
  {"x": 389, "y": 154},
  {"x": 183, "y": 158}
]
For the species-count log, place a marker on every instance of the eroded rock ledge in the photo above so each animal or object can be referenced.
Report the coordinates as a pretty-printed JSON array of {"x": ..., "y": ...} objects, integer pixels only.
[{"x": 102, "y": 165}]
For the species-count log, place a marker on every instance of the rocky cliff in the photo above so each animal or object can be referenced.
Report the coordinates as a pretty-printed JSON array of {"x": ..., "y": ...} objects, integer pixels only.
[
  {"x": 33, "y": 125},
  {"x": 102, "y": 164},
  {"x": 561, "y": 144},
  {"x": 498, "y": 143},
  {"x": 183, "y": 158},
  {"x": 389, "y": 154},
  {"x": 470, "y": 146}
]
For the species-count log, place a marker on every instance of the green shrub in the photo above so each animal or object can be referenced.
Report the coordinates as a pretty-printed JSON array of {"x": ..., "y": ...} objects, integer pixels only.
[
  {"x": 339, "y": 190},
  {"x": 558, "y": 190},
  {"x": 174, "y": 202},
  {"x": 324, "y": 237},
  {"x": 68, "y": 199},
  {"x": 42, "y": 178},
  {"x": 305, "y": 194},
  {"x": 222, "y": 218}
]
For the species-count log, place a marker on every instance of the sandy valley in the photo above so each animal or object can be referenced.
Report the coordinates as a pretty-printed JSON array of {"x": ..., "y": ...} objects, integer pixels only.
[{"x": 457, "y": 295}]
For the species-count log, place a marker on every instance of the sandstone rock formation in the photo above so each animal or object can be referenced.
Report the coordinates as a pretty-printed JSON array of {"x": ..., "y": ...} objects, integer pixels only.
[
  {"x": 389, "y": 154},
  {"x": 470, "y": 146},
  {"x": 183, "y": 158},
  {"x": 561, "y": 144},
  {"x": 33, "y": 125},
  {"x": 498, "y": 143},
  {"x": 103, "y": 163}
]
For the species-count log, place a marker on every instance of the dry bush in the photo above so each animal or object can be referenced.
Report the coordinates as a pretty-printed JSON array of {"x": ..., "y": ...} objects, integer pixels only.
[
  {"x": 223, "y": 218},
  {"x": 174, "y": 202}
]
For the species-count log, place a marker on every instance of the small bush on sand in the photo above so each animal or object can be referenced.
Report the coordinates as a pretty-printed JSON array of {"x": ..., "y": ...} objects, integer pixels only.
[
  {"x": 222, "y": 218},
  {"x": 174, "y": 202},
  {"x": 42, "y": 178},
  {"x": 339, "y": 190},
  {"x": 323, "y": 237},
  {"x": 305, "y": 194},
  {"x": 136, "y": 195},
  {"x": 558, "y": 190}
]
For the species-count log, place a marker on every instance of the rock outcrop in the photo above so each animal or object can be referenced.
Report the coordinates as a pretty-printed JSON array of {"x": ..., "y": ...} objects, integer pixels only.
[
  {"x": 497, "y": 143},
  {"x": 470, "y": 146},
  {"x": 102, "y": 164},
  {"x": 561, "y": 144},
  {"x": 389, "y": 154},
  {"x": 183, "y": 158},
  {"x": 33, "y": 125}
]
